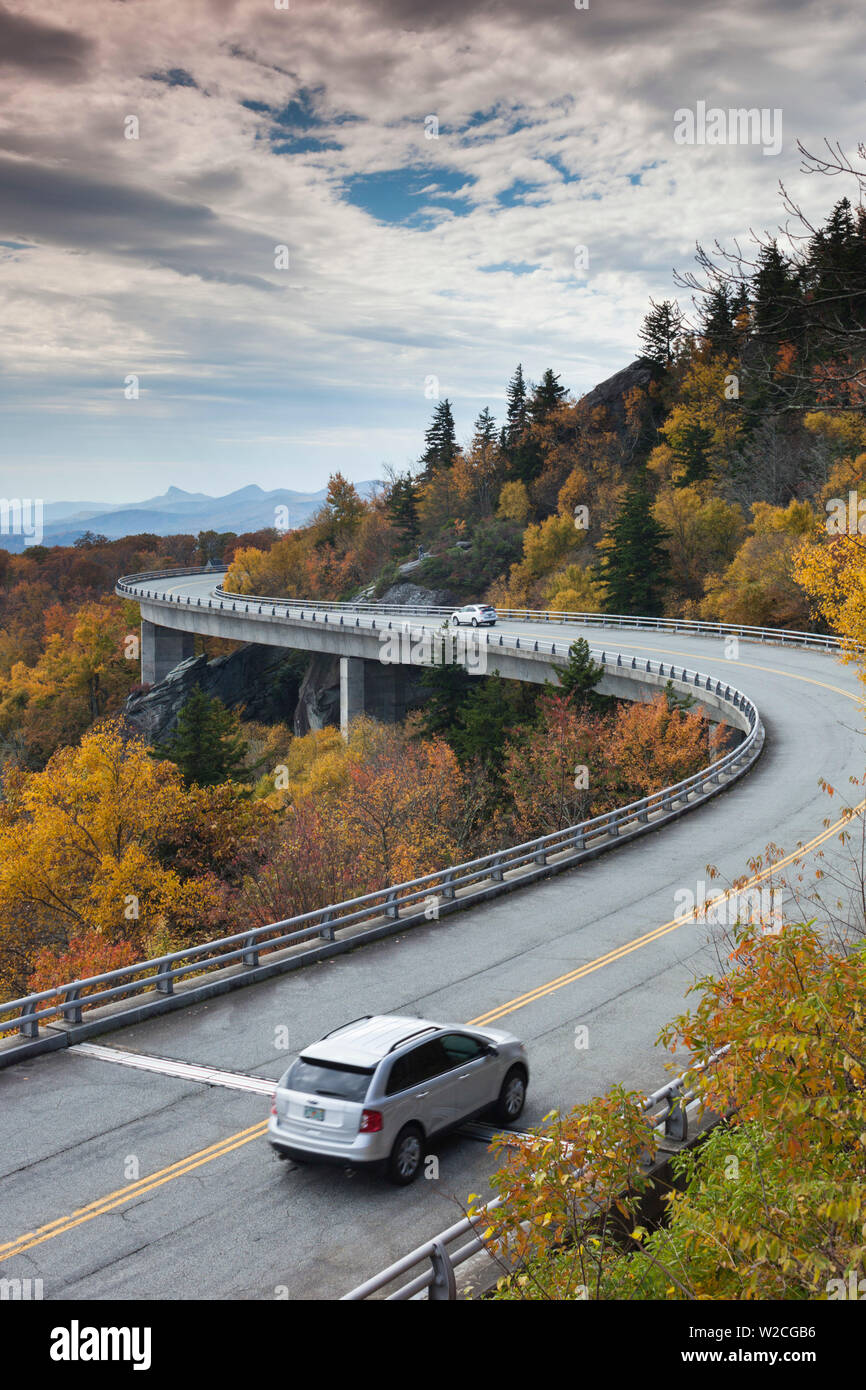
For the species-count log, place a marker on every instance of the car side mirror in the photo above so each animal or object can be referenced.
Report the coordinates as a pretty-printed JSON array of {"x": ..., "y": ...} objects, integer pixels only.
[{"x": 492, "y": 1050}]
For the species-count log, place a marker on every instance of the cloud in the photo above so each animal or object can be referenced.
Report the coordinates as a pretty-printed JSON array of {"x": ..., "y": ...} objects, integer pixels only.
[
  {"x": 409, "y": 256},
  {"x": 55, "y": 54}
]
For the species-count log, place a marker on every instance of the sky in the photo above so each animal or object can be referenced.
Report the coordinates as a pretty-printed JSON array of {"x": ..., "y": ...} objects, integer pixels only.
[{"x": 248, "y": 243}]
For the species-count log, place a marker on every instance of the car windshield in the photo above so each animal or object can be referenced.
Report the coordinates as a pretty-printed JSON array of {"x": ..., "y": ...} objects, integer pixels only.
[{"x": 336, "y": 1079}]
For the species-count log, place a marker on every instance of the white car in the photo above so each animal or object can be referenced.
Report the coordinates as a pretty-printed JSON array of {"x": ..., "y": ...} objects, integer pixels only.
[{"x": 475, "y": 614}]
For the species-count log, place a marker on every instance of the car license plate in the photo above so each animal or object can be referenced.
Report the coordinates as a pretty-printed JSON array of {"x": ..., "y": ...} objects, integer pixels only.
[{"x": 313, "y": 1112}]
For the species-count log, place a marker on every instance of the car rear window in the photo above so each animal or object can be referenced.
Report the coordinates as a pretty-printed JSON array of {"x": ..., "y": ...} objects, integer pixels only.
[{"x": 328, "y": 1079}]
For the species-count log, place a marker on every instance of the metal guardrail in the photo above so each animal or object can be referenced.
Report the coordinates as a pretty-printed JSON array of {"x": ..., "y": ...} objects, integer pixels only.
[
  {"x": 453, "y": 887},
  {"x": 299, "y": 609},
  {"x": 442, "y": 1260}
]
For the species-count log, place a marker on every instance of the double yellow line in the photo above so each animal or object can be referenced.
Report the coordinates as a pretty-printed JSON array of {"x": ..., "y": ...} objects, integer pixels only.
[
  {"x": 685, "y": 919},
  {"x": 131, "y": 1192}
]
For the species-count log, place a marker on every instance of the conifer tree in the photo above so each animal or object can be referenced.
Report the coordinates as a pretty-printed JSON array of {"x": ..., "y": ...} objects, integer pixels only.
[
  {"x": 206, "y": 744},
  {"x": 440, "y": 441},
  {"x": 635, "y": 565},
  {"x": 517, "y": 414},
  {"x": 548, "y": 394},
  {"x": 661, "y": 331},
  {"x": 578, "y": 679}
]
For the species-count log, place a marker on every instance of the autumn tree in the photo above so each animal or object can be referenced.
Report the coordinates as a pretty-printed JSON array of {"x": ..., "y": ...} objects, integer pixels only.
[
  {"x": 770, "y": 1206},
  {"x": 80, "y": 852},
  {"x": 759, "y": 585}
]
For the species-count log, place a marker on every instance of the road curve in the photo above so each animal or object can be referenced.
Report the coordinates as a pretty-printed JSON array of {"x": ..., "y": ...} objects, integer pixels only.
[{"x": 124, "y": 1183}]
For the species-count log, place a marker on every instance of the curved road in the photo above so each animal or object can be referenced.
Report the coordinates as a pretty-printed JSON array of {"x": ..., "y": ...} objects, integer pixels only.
[{"x": 119, "y": 1182}]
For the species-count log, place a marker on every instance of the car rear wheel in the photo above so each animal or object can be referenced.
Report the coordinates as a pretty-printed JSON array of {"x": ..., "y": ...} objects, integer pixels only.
[
  {"x": 512, "y": 1097},
  {"x": 407, "y": 1155},
  {"x": 474, "y": 622}
]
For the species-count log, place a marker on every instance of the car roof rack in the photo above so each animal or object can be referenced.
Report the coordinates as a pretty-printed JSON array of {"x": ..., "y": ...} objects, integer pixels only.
[
  {"x": 431, "y": 1028},
  {"x": 341, "y": 1026}
]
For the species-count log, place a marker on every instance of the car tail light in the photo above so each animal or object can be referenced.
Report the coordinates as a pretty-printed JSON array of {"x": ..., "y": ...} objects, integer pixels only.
[
  {"x": 274, "y": 1106},
  {"x": 371, "y": 1121}
]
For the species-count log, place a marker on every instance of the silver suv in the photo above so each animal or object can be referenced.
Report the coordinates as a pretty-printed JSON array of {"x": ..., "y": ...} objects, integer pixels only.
[{"x": 375, "y": 1090}]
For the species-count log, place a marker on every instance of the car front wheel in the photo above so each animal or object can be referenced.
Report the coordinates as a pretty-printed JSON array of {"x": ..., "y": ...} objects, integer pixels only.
[
  {"x": 407, "y": 1155},
  {"x": 512, "y": 1097},
  {"x": 455, "y": 621}
]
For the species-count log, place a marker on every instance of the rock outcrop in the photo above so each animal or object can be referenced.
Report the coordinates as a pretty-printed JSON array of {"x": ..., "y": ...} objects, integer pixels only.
[
  {"x": 611, "y": 393},
  {"x": 319, "y": 695},
  {"x": 263, "y": 681},
  {"x": 407, "y": 593}
]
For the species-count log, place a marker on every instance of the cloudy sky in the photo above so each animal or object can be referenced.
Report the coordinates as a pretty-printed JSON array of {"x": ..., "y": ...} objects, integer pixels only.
[{"x": 426, "y": 168}]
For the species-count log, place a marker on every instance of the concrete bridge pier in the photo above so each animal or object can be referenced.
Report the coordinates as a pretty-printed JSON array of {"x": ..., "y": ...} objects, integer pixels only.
[
  {"x": 163, "y": 648},
  {"x": 384, "y": 691}
]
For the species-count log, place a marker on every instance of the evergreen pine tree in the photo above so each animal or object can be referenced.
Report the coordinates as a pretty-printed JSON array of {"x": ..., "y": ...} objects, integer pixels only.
[
  {"x": 401, "y": 504},
  {"x": 661, "y": 331},
  {"x": 485, "y": 435},
  {"x": 447, "y": 688},
  {"x": 635, "y": 565},
  {"x": 717, "y": 319},
  {"x": 516, "y": 415},
  {"x": 206, "y": 744},
  {"x": 578, "y": 679},
  {"x": 775, "y": 295},
  {"x": 440, "y": 441},
  {"x": 547, "y": 395}
]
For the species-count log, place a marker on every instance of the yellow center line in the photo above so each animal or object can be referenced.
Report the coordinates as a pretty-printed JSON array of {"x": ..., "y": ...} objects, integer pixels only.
[
  {"x": 551, "y": 986},
  {"x": 123, "y": 1195},
  {"x": 128, "y": 1194}
]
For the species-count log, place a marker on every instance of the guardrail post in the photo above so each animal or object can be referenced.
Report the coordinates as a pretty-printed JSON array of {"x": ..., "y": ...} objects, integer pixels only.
[
  {"x": 250, "y": 955},
  {"x": 164, "y": 981},
  {"x": 444, "y": 1286},
  {"x": 676, "y": 1121},
  {"x": 447, "y": 889},
  {"x": 392, "y": 908},
  {"x": 28, "y": 1027},
  {"x": 71, "y": 1004},
  {"x": 326, "y": 931},
  {"x": 496, "y": 869}
]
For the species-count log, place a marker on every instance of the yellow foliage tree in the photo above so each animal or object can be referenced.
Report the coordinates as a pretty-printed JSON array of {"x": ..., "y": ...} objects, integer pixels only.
[
  {"x": 79, "y": 851},
  {"x": 759, "y": 586},
  {"x": 832, "y": 571}
]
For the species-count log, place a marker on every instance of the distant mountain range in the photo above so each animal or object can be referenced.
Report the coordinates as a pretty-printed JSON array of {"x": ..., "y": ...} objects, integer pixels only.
[{"x": 175, "y": 512}]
